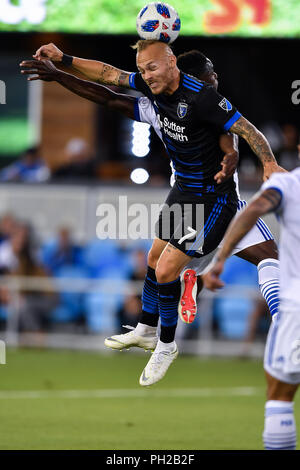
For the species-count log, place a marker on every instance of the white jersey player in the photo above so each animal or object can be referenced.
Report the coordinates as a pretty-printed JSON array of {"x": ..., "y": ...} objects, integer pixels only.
[{"x": 280, "y": 194}]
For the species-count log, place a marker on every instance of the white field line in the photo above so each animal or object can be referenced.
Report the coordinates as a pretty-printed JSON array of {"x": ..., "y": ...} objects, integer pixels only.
[{"x": 133, "y": 393}]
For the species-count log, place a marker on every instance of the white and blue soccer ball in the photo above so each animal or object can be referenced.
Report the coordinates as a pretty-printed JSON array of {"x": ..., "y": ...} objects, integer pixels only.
[{"x": 158, "y": 21}]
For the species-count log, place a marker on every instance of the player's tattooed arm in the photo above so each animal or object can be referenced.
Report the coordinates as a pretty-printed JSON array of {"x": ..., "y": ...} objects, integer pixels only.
[
  {"x": 258, "y": 144},
  {"x": 110, "y": 75},
  {"x": 92, "y": 69},
  {"x": 267, "y": 201},
  {"x": 45, "y": 70},
  {"x": 100, "y": 72}
]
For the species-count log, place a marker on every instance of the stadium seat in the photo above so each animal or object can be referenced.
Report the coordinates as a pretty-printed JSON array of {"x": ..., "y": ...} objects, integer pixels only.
[
  {"x": 3, "y": 313},
  {"x": 70, "y": 307},
  {"x": 232, "y": 313},
  {"x": 46, "y": 252},
  {"x": 100, "y": 312},
  {"x": 101, "y": 307},
  {"x": 240, "y": 272},
  {"x": 98, "y": 254},
  {"x": 232, "y": 316},
  {"x": 52, "y": 261}
]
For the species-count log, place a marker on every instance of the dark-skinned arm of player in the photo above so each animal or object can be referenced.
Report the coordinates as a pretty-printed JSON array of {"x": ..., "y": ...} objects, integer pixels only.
[
  {"x": 258, "y": 144},
  {"x": 45, "y": 70},
  {"x": 92, "y": 69},
  {"x": 262, "y": 203},
  {"x": 229, "y": 145}
]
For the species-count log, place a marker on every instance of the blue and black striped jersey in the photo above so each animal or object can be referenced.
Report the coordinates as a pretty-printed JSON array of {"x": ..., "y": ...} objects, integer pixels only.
[{"x": 191, "y": 122}]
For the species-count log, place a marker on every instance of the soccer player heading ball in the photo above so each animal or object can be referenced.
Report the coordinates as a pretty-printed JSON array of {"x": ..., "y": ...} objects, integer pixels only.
[
  {"x": 158, "y": 21},
  {"x": 191, "y": 115}
]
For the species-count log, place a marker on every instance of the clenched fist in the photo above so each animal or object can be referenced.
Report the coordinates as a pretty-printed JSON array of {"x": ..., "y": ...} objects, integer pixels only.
[{"x": 49, "y": 51}]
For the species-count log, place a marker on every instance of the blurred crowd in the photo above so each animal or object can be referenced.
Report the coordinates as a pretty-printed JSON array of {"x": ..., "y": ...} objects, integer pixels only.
[
  {"x": 58, "y": 258},
  {"x": 105, "y": 310},
  {"x": 80, "y": 163},
  {"x": 284, "y": 141}
]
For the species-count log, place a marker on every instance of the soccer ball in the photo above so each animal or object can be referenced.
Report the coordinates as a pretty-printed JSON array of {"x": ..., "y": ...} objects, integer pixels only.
[{"x": 158, "y": 21}]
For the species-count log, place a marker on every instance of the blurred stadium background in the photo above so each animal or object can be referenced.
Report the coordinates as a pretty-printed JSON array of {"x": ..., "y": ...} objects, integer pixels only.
[{"x": 61, "y": 156}]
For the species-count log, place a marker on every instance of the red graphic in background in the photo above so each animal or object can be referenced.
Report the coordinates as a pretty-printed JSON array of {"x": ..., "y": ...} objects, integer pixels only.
[{"x": 229, "y": 14}]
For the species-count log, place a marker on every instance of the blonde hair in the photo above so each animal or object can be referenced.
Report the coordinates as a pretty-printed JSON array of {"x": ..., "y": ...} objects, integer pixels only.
[{"x": 142, "y": 44}]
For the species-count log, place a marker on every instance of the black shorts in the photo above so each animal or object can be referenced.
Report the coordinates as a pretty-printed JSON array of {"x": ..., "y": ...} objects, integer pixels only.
[{"x": 195, "y": 224}]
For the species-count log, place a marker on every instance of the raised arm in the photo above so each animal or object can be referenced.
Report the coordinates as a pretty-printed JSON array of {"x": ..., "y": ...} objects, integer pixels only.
[
  {"x": 261, "y": 204},
  {"x": 258, "y": 144},
  {"x": 45, "y": 70},
  {"x": 93, "y": 69}
]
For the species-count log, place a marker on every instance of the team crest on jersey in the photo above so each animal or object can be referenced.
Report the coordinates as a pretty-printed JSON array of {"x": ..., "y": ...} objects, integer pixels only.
[
  {"x": 224, "y": 104},
  {"x": 144, "y": 102},
  {"x": 182, "y": 110}
]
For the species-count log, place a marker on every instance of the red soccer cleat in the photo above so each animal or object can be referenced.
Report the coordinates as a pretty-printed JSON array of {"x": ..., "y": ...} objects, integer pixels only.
[{"x": 187, "y": 308}]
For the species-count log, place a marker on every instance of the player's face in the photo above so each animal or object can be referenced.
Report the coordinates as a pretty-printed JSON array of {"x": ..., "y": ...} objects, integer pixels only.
[
  {"x": 211, "y": 78},
  {"x": 157, "y": 68}
]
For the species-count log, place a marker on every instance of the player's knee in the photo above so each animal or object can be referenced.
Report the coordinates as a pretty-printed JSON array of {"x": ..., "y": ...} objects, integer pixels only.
[
  {"x": 280, "y": 395},
  {"x": 165, "y": 272},
  {"x": 280, "y": 391},
  {"x": 266, "y": 250},
  {"x": 162, "y": 275}
]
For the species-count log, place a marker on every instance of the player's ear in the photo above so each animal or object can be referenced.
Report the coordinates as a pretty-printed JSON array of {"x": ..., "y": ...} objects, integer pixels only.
[{"x": 173, "y": 60}]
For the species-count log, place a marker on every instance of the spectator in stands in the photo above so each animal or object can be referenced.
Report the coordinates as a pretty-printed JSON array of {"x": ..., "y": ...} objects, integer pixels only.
[
  {"x": 249, "y": 172},
  {"x": 62, "y": 253},
  {"x": 34, "y": 305},
  {"x": 130, "y": 311},
  {"x": 8, "y": 225},
  {"x": 29, "y": 169},
  {"x": 9, "y": 247},
  {"x": 140, "y": 265},
  {"x": 79, "y": 164},
  {"x": 288, "y": 154},
  {"x": 132, "y": 305}
]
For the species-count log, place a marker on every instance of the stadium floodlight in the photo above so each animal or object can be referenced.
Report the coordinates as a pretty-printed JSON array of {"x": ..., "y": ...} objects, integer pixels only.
[
  {"x": 139, "y": 176},
  {"x": 140, "y": 139},
  {"x": 33, "y": 11}
]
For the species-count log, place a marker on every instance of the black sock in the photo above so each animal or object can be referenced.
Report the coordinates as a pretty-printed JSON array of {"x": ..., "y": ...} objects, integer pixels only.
[
  {"x": 167, "y": 333},
  {"x": 150, "y": 312},
  {"x": 168, "y": 298}
]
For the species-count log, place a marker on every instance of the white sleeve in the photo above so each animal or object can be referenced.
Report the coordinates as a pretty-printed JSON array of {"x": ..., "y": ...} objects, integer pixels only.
[{"x": 145, "y": 112}]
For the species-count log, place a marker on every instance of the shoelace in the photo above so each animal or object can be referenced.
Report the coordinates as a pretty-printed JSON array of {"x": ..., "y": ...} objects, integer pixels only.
[
  {"x": 132, "y": 329},
  {"x": 128, "y": 327},
  {"x": 157, "y": 359}
]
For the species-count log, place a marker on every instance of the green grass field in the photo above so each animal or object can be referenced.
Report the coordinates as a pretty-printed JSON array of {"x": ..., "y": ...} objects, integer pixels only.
[{"x": 77, "y": 400}]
